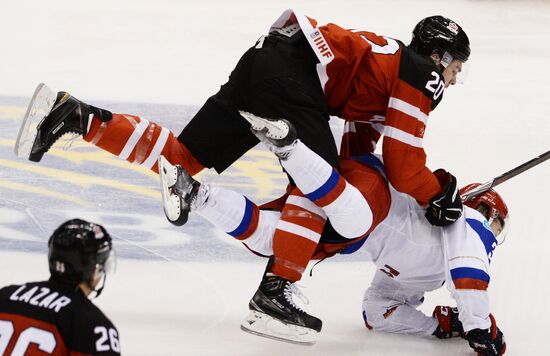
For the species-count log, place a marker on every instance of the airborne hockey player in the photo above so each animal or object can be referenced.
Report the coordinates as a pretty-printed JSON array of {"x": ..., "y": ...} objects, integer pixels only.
[
  {"x": 55, "y": 317},
  {"x": 304, "y": 73}
]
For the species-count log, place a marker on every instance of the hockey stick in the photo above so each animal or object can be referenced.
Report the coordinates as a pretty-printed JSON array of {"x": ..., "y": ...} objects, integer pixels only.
[{"x": 505, "y": 176}]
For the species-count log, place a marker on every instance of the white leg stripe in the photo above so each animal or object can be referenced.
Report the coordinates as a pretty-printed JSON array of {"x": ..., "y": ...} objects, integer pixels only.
[
  {"x": 134, "y": 138},
  {"x": 305, "y": 203},
  {"x": 298, "y": 230},
  {"x": 157, "y": 149}
]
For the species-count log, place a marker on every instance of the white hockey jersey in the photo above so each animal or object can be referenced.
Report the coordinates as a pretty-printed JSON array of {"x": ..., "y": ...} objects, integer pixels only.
[{"x": 421, "y": 257}]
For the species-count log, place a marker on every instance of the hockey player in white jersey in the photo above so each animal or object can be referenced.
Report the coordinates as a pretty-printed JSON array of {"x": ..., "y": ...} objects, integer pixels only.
[
  {"x": 425, "y": 255},
  {"x": 414, "y": 257}
]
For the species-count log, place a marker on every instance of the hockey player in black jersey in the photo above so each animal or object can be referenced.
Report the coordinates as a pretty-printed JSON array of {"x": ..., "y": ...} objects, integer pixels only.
[{"x": 55, "y": 317}]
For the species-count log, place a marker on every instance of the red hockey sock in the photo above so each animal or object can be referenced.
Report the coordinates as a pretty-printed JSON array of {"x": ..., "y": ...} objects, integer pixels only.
[
  {"x": 142, "y": 142},
  {"x": 296, "y": 237}
]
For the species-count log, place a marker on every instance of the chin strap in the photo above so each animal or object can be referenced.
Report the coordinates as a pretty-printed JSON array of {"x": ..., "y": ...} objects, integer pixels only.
[{"x": 97, "y": 292}]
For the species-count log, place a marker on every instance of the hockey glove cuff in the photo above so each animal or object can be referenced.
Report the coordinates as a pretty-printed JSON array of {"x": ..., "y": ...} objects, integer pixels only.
[
  {"x": 446, "y": 207},
  {"x": 448, "y": 323},
  {"x": 489, "y": 342}
]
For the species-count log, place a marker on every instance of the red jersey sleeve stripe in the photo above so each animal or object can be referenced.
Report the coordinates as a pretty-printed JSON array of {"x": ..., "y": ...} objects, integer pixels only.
[
  {"x": 408, "y": 109},
  {"x": 403, "y": 137}
]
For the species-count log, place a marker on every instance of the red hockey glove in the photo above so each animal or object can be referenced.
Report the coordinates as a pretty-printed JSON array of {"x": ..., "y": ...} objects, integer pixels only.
[
  {"x": 488, "y": 342},
  {"x": 446, "y": 207},
  {"x": 449, "y": 325}
]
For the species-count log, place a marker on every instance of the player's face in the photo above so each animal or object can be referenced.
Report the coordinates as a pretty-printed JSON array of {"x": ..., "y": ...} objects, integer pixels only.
[
  {"x": 451, "y": 72},
  {"x": 496, "y": 226}
]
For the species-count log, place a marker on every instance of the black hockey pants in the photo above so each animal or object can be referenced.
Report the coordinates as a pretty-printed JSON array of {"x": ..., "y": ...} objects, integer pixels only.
[{"x": 275, "y": 79}]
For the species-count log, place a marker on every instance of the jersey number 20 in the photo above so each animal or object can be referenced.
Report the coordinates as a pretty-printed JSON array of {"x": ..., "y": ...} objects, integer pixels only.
[{"x": 436, "y": 85}]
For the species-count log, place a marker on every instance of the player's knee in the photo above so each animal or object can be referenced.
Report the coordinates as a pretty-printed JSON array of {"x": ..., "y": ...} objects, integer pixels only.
[
  {"x": 261, "y": 240},
  {"x": 350, "y": 214},
  {"x": 373, "y": 316}
]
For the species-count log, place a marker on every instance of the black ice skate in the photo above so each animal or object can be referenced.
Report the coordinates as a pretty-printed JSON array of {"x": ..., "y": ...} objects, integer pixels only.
[
  {"x": 179, "y": 191},
  {"x": 274, "y": 314},
  {"x": 279, "y": 135},
  {"x": 50, "y": 116}
]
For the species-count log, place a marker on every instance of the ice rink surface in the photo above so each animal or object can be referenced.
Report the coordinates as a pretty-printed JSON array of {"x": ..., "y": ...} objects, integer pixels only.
[{"x": 184, "y": 291}]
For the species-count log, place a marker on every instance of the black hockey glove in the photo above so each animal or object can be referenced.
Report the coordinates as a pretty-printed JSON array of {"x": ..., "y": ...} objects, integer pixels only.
[
  {"x": 446, "y": 207},
  {"x": 449, "y": 325},
  {"x": 487, "y": 342}
]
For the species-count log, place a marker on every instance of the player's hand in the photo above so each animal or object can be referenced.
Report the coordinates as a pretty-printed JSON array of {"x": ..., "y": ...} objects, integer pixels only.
[
  {"x": 449, "y": 324},
  {"x": 487, "y": 342},
  {"x": 446, "y": 207}
]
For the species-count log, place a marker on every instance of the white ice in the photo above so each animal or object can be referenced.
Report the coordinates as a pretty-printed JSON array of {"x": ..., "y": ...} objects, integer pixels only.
[{"x": 185, "y": 292}]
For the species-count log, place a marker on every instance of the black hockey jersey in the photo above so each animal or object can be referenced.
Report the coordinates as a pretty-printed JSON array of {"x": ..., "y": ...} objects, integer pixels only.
[{"x": 49, "y": 318}]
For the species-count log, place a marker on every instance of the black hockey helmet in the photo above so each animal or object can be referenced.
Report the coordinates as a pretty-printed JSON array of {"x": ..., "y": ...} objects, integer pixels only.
[
  {"x": 77, "y": 249},
  {"x": 438, "y": 34}
]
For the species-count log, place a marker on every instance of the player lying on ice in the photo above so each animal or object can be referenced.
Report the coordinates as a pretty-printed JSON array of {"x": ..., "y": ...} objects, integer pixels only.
[{"x": 413, "y": 256}]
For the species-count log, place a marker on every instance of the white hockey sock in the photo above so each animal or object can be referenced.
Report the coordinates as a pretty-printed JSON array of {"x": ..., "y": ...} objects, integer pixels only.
[
  {"x": 224, "y": 208},
  {"x": 307, "y": 168},
  {"x": 345, "y": 206}
]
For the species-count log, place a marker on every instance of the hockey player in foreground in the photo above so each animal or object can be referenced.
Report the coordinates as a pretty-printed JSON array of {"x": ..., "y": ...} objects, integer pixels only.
[
  {"x": 55, "y": 317},
  {"x": 303, "y": 72},
  {"x": 413, "y": 256}
]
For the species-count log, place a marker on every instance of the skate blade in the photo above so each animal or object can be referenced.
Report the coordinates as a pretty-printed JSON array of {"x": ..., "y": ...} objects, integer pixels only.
[
  {"x": 261, "y": 324},
  {"x": 170, "y": 202},
  {"x": 40, "y": 106},
  {"x": 275, "y": 129}
]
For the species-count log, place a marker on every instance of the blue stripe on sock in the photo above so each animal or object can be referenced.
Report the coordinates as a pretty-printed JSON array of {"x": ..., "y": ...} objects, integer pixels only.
[
  {"x": 245, "y": 222},
  {"x": 326, "y": 188}
]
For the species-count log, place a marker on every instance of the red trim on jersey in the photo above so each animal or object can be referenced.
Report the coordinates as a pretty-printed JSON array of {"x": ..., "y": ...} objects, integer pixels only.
[
  {"x": 22, "y": 323},
  {"x": 470, "y": 283}
]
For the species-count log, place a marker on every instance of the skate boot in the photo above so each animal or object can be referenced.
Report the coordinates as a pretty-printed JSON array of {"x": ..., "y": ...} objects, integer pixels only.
[
  {"x": 180, "y": 192},
  {"x": 274, "y": 314},
  {"x": 50, "y": 116},
  {"x": 279, "y": 135}
]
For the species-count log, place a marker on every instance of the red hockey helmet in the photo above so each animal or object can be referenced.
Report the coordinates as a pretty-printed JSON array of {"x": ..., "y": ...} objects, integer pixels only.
[{"x": 491, "y": 205}]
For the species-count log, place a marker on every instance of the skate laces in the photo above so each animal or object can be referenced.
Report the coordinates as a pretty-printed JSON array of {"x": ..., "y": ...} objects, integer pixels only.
[
  {"x": 291, "y": 289},
  {"x": 200, "y": 199},
  {"x": 280, "y": 151},
  {"x": 70, "y": 140}
]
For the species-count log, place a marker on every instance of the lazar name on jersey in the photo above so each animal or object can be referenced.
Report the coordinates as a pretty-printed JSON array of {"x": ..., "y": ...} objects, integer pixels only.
[{"x": 41, "y": 297}]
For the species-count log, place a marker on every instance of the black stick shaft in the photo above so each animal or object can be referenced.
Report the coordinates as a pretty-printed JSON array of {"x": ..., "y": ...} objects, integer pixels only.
[{"x": 505, "y": 176}]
